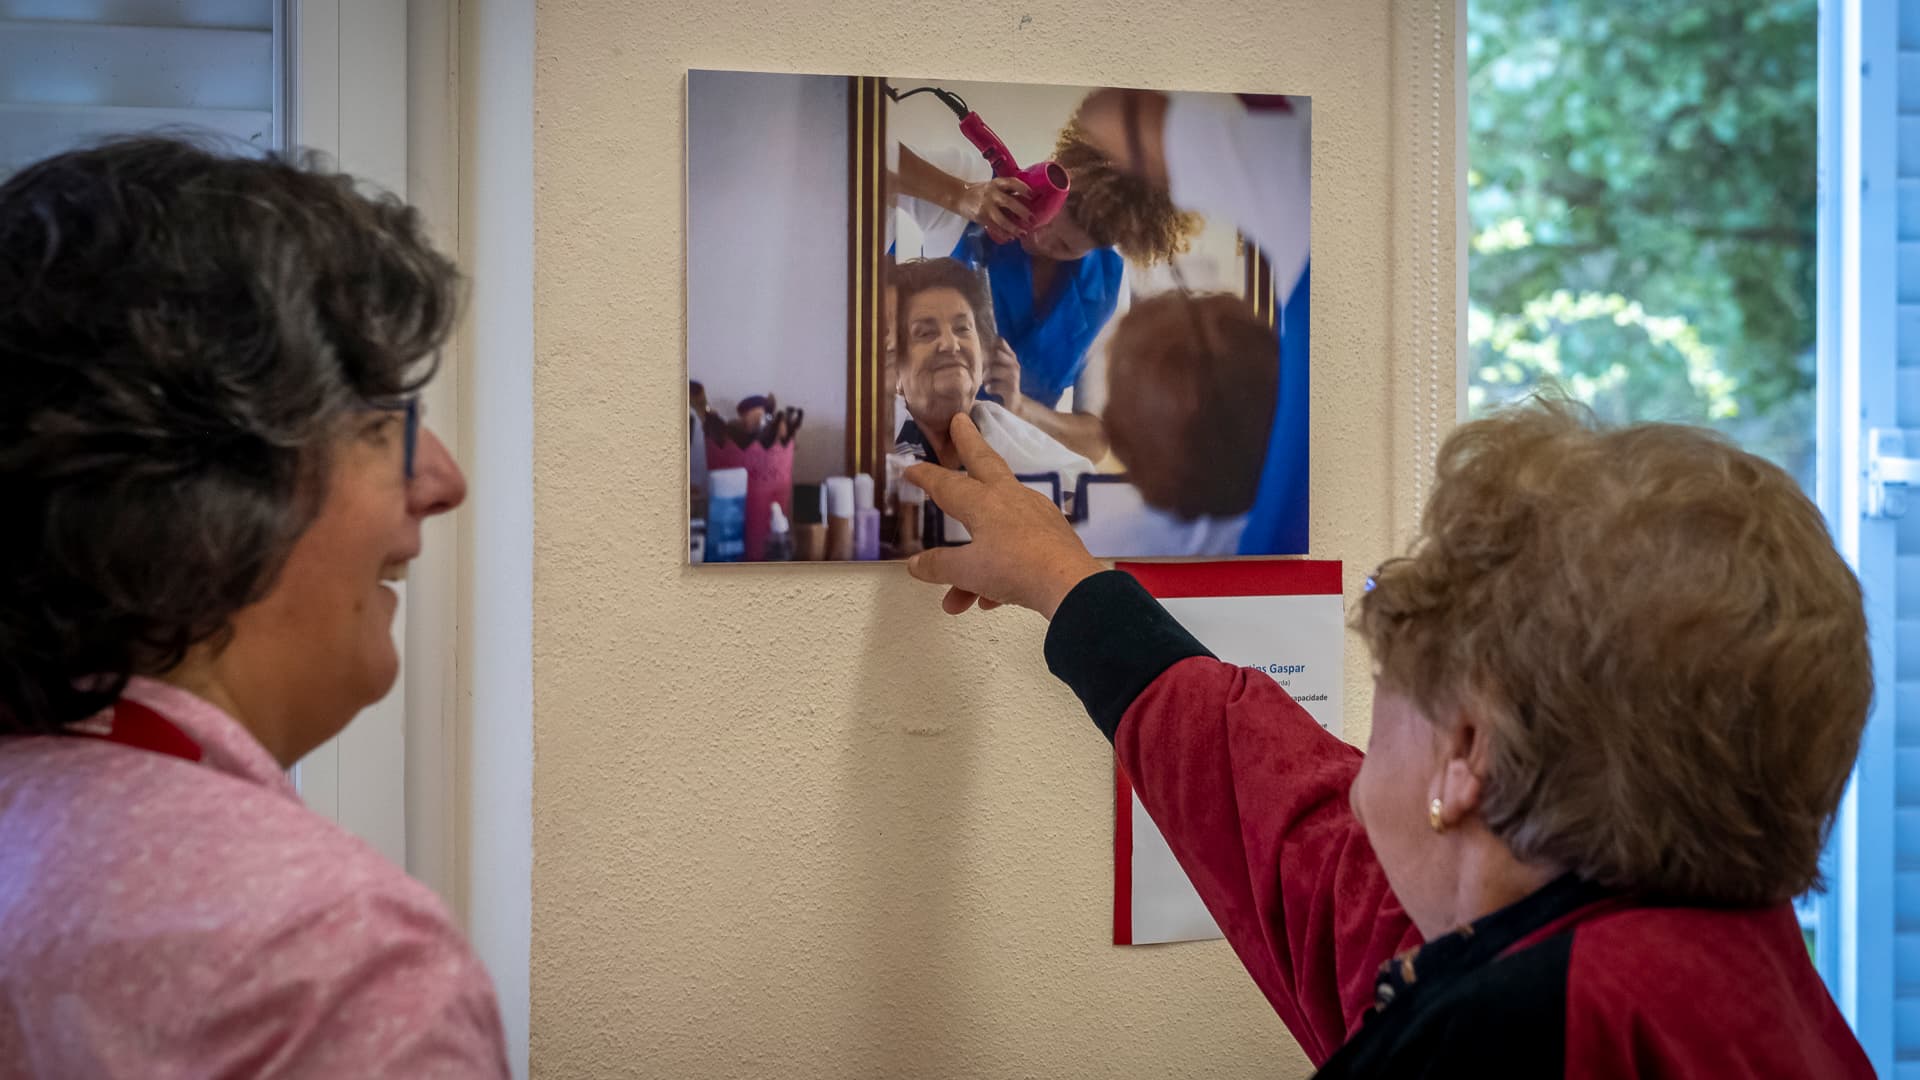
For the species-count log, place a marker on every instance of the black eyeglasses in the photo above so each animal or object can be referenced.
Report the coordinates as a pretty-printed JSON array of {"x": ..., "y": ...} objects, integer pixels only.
[{"x": 414, "y": 409}]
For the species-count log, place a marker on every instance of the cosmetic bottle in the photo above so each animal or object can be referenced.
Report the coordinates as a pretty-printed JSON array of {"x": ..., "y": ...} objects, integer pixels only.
[
  {"x": 726, "y": 515},
  {"x": 866, "y": 520},
  {"x": 839, "y": 519},
  {"x": 911, "y": 520},
  {"x": 809, "y": 523}
]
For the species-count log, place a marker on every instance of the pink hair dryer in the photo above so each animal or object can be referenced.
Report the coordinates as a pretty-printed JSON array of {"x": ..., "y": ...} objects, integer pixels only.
[{"x": 1046, "y": 181}]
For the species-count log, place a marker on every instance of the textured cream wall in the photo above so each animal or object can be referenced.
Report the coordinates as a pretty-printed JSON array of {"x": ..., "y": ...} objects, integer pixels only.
[{"x": 795, "y": 822}]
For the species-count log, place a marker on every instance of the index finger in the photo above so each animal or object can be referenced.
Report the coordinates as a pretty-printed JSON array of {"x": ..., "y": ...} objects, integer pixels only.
[
  {"x": 954, "y": 493},
  {"x": 980, "y": 459}
]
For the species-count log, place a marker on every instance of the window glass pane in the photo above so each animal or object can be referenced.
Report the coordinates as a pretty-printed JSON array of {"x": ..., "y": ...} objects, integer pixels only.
[
  {"x": 1642, "y": 192},
  {"x": 74, "y": 72}
]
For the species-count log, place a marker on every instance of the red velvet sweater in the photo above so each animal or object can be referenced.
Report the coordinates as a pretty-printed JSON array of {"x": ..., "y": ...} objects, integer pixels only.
[{"x": 1251, "y": 795}]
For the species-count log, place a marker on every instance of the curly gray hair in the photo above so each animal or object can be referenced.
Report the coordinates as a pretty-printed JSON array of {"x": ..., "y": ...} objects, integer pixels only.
[{"x": 182, "y": 333}]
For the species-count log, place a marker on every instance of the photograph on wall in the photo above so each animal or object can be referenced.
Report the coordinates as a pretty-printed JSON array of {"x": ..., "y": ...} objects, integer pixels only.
[{"x": 1112, "y": 284}]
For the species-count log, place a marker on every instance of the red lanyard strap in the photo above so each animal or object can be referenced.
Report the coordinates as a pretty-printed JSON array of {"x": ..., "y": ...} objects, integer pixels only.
[{"x": 142, "y": 728}]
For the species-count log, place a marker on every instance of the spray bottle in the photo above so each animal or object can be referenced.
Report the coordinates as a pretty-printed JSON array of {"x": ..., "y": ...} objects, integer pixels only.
[
  {"x": 779, "y": 536},
  {"x": 866, "y": 520}
]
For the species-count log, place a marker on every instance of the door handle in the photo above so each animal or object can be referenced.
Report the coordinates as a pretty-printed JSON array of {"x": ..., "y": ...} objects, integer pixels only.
[{"x": 1890, "y": 473}]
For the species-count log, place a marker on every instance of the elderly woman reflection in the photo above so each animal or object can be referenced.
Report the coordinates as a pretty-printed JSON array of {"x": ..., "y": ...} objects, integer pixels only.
[{"x": 943, "y": 337}]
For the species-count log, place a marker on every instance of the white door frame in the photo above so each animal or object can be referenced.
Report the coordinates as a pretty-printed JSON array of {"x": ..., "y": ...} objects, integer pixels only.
[
  {"x": 345, "y": 68},
  {"x": 494, "y": 755},
  {"x": 439, "y": 776},
  {"x": 1866, "y": 397}
]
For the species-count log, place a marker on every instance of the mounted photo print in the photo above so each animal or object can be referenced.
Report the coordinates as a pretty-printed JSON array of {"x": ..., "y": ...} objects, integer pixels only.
[{"x": 1112, "y": 284}]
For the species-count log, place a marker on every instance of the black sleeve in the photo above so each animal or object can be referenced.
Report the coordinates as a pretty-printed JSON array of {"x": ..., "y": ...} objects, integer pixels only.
[
  {"x": 1110, "y": 640},
  {"x": 1507, "y": 1019}
]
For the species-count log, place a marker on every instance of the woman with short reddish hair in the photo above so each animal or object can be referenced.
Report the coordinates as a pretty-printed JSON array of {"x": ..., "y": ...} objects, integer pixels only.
[{"x": 1620, "y": 681}]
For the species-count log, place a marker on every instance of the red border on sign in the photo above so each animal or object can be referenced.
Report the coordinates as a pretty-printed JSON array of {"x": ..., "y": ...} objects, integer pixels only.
[
  {"x": 1122, "y": 856},
  {"x": 1241, "y": 577}
]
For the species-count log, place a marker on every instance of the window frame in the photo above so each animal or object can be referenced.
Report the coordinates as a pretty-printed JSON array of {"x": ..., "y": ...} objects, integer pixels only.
[
  {"x": 341, "y": 66},
  {"x": 1835, "y": 910}
]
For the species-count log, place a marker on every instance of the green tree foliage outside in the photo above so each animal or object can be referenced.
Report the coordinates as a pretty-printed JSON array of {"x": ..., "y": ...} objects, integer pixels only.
[{"x": 1642, "y": 189}]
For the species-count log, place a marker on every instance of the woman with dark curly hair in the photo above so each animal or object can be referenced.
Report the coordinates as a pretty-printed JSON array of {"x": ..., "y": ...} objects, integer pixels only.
[
  {"x": 1620, "y": 679},
  {"x": 212, "y": 459},
  {"x": 1057, "y": 286}
]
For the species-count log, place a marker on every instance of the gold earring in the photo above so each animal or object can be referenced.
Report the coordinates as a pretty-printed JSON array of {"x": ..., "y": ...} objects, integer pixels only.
[{"x": 1433, "y": 816}]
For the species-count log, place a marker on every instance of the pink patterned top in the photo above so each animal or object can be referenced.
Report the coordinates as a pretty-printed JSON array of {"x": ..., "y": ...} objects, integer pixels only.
[{"x": 161, "y": 917}]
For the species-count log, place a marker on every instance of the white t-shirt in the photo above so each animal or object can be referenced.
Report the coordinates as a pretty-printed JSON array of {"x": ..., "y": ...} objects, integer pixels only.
[
  {"x": 1253, "y": 168},
  {"x": 940, "y": 228}
]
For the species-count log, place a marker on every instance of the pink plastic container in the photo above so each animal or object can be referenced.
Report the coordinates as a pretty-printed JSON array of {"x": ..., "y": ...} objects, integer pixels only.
[{"x": 769, "y": 481}]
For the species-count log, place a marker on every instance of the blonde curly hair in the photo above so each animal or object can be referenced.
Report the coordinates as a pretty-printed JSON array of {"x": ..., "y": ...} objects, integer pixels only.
[{"x": 1118, "y": 209}]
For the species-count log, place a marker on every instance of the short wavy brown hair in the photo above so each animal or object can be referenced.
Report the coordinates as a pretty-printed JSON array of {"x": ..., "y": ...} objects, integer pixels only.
[
  {"x": 1118, "y": 209},
  {"x": 184, "y": 332},
  {"x": 1668, "y": 654},
  {"x": 1191, "y": 420}
]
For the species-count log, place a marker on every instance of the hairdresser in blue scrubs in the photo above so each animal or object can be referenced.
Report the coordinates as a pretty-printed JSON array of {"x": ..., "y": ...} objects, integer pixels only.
[
  {"x": 1055, "y": 287},
  {"x": 1243, "y": 159}
]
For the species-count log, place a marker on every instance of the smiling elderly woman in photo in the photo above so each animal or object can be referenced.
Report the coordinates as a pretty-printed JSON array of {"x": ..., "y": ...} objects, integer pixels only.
[
  {"x": 943, "y": 338},
  {"x": 213, "y": 467},
  {"x": 1620, "y": 680}
]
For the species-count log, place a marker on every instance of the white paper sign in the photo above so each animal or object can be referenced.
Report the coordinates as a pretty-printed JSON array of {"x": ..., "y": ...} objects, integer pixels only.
[{"x": 1296, "y": 634}]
